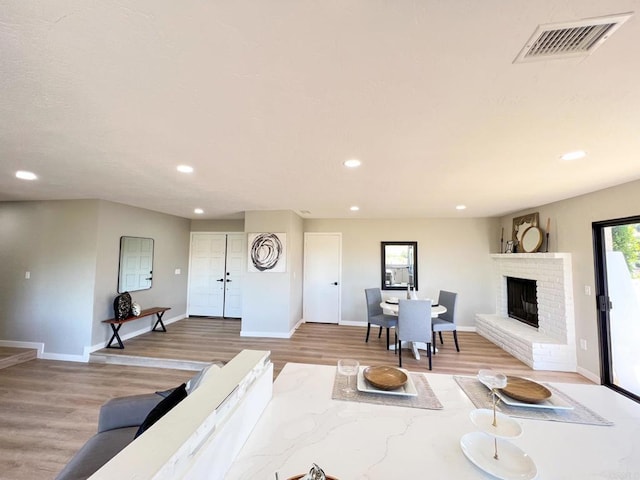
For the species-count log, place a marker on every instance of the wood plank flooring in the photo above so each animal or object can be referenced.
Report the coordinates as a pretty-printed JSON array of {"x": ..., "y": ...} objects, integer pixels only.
[
  {"x": 48, "y": 409},
  {"x": 12, "y": 356}
]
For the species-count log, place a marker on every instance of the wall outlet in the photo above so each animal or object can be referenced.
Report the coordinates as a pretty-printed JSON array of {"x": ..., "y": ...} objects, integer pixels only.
[
  {"x": 587, "y": 290},
  {"x": 583, "y": 344},
  {"x": 27, "y": 275}
]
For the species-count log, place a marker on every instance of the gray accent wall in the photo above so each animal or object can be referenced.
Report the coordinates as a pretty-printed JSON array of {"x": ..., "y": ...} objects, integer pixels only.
[
  {"x": 71, "y": 249},
  {"x": 224, "y": 226},
  {"x": 272, "y": 302},
  {"x": 170, "y": 252},
  {"x": 56, "y": 242}
]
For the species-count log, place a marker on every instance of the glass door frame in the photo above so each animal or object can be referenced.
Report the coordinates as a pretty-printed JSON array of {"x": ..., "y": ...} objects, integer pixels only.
[{"x": 603, "y": 302}]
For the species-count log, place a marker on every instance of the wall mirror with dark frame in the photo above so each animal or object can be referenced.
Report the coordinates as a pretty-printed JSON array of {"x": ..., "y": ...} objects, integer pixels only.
[
  {"x": 399, "y": 262},
  {"x": 135, "y": 271}
]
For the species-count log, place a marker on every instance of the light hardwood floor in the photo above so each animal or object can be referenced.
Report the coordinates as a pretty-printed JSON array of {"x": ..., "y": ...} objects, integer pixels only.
[{"x": 48, "y": 409}]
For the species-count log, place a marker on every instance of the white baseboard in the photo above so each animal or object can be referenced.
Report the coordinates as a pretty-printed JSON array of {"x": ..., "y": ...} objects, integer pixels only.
[
  {"x": 39, "y": 346},
  {"x": 265, "y": 334},
  {"x": 590, "y": 375},
  {"x": 466, "y": 329},
  {"x": 351, "y": 323},
  {"x": 65, "y": 357}
]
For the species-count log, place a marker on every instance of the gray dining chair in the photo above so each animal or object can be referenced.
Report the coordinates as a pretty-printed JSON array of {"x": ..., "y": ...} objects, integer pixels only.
[
  {"x": 375, "y": 315},
  {"x": 446, "y": 322},
  {"x": 414, "y": 325}
]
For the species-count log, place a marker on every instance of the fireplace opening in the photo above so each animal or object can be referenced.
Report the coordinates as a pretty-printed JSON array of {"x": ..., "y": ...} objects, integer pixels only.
[{"x": 522, "y": 300}]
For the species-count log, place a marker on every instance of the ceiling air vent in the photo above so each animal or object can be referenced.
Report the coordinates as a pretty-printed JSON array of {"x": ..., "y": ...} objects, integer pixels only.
[{"x": 570, "y": 39}]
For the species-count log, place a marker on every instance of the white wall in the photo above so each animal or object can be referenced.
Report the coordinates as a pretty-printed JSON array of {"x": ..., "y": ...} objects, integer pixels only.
[
  {"x": 453, "y": 254},
  {"x": 571, "y": 231}
]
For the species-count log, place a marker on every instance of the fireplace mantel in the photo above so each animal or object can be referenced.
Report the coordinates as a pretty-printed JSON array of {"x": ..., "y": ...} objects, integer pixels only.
[{"x": 552, "y": 345}]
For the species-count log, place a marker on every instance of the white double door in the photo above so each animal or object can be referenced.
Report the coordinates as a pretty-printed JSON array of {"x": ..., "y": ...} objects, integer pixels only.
[{"x": 215, "y": 274}]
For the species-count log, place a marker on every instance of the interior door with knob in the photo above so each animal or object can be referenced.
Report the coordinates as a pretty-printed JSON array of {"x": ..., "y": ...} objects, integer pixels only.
[
  {"x": 617, "y": 256},
  {"x": 236, "y": 253},
  {"x": 321, "y": 292},
  {"x": 207, "y": 274}
]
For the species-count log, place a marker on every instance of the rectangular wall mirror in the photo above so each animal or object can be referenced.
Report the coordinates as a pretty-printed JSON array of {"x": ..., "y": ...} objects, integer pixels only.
[
  {"x": 399, "y": 265},
  {"x": 136, "y": 264}
]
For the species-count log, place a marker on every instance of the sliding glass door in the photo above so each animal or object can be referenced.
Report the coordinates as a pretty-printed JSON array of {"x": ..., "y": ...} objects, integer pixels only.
[{"x": 617, "y": 256}]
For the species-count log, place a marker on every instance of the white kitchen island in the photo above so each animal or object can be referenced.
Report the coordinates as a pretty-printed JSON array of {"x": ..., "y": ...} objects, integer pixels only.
[{"x": 354, "y": 440}]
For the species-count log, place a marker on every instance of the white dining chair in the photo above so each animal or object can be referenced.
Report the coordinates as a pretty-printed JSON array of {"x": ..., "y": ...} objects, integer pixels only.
[{"x": 414, "y": 325}]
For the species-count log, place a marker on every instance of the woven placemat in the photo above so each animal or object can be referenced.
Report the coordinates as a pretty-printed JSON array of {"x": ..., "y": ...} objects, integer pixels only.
[
  {"x": 481, "y": 398},
  {"x": 425, "y": 398}
]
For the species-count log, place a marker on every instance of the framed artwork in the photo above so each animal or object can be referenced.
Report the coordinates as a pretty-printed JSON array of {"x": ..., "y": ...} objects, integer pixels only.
[
  {"x": 267, "y": 252},
  {"x": 509, "y": 248},
  {"x": 520, "y": 224}
]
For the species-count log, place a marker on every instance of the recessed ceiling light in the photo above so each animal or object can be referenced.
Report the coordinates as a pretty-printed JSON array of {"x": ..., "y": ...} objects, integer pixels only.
[
  {"x": 460, "y": 207},
  {"x": 198, "y": 211},
  {"x": 184, "y": 168},
  {"x": 355, "y": 208},
  {"x": 574, "y": 155},
  {"x": 24, "y": 175},
  {"x": 352, "y": 163}
]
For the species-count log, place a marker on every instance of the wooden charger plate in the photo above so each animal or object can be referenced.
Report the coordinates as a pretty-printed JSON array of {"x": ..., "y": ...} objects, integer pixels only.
[
  {"x": 525, "y": 390},
  {"x": 385, "y": 378}
]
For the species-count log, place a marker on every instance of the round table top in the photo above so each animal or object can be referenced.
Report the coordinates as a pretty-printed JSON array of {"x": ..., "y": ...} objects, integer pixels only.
[{"x": 393, "y": 308}]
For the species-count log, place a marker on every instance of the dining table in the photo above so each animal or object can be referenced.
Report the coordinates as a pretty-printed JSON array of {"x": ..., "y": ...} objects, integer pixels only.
[
  {"x": 392, "y": 308},
  {"x": 305, "y": 424}
]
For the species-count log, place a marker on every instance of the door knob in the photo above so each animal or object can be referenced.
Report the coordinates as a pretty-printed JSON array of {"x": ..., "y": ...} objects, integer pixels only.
[
  {"x": 220, "y": 280},
  {"x": 334, "y": 283}
]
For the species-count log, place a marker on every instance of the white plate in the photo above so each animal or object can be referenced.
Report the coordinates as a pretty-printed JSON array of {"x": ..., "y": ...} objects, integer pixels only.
[
  {"x": 554, "y": 402},
  {"x": 407, "y": 390},
  {"x": 512, "y": 463},
  {"x": 506, "y": 427}
]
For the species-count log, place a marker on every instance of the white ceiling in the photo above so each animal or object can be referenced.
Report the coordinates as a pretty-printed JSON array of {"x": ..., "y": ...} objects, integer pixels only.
[{"x": 267, "y": 98}]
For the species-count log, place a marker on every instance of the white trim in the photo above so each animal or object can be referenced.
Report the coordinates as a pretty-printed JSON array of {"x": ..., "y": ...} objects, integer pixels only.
[
  {"x": 65, "y": 357},
  {"x": 39, "y": 346},
  {"x": 244, "y": 333},
  {"x": 590, "y": 375},
  {"x": 352, "y": 323}
]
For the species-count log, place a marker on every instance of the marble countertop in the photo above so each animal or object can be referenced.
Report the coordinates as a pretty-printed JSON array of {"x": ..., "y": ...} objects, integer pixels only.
[{"x": 303, "y": 425}]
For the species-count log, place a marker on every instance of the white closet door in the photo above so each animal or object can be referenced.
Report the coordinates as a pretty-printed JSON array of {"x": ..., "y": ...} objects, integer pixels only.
[
  {"x": 236, "y": 253},
  {"x": 322, "y": 259},
  {"x": 207, "y": 274}
]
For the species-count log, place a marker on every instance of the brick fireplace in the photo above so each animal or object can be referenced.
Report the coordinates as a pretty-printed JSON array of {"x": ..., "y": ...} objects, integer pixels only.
[{"x": 552, "y": 345}]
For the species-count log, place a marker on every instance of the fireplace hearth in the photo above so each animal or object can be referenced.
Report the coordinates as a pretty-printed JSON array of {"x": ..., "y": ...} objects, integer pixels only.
[
  {"x": 552, "y": 345},
  {"x": 522, "y": 300}
]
